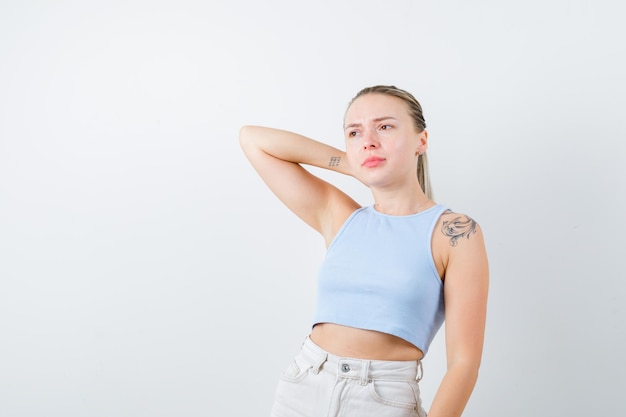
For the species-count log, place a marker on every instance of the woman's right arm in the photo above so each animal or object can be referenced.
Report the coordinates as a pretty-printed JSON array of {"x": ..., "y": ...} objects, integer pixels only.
[{"x": 277, "y": 156}]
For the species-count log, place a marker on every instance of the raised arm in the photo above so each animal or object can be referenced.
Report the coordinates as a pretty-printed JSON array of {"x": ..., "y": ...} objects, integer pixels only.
[
  {"x": 460, "y": 245},
  {"x": 277, "y": 156}
]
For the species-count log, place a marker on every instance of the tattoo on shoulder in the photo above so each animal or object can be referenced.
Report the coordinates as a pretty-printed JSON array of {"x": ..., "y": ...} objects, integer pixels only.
[
  {"x": 457, "y": 228},
  {"x": 334, "y": 161}
]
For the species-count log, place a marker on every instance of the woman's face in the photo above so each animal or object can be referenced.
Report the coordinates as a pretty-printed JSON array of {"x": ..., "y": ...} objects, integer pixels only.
[{"x": 382, "y": 142}]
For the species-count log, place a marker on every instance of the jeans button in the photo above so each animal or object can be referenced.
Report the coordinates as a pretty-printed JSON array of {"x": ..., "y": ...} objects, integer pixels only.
[{"x": 345, "y": 368}]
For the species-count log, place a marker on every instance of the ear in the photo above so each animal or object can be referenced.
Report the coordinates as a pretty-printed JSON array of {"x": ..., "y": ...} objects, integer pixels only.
[{"x": 422, "y": 142}]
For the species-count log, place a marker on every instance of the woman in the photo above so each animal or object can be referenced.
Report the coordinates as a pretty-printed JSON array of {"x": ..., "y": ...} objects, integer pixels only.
[{"x": 389, "y": 269}]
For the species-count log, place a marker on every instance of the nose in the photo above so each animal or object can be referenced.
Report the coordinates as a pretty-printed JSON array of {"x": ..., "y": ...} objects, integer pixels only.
[{"x": 370, "y": 141}]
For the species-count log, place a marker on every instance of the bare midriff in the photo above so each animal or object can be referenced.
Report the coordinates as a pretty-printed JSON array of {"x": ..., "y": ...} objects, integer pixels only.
[{"x": 350, "y": 342}]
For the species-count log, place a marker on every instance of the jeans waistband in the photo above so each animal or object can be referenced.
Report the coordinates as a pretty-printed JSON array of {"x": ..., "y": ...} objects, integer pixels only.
[{"x": 362, "y": 369}]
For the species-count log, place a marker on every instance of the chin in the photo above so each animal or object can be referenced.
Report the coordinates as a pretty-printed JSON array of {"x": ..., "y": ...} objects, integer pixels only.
[{"x": 375, "y": 182}]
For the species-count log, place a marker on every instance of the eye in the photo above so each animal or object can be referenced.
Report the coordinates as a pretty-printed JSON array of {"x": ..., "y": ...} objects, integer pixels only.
[
  {"x": 352, "y": 133},
  {"x": 385, "y": 127}
]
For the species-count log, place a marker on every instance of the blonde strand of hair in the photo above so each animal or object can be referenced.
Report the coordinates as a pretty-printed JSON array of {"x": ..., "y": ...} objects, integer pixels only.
[{"x": 423, "y": 176}]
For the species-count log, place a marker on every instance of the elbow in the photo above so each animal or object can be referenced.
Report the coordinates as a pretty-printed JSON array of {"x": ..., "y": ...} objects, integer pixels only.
[
  {"x": 251, "y": 136},
  {"x": 468, "y": 367},
  {"x": 244, "y": 135},
  {"x": 473, "y": 371}
]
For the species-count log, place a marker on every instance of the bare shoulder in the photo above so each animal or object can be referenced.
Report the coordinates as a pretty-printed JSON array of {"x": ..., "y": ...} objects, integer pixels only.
[
  {"x": 458, "y": 239},
  {"x": 458, "y": 227}
]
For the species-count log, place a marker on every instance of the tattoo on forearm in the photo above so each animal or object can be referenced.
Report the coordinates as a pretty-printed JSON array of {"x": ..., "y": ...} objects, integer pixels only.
[
  {"x": 334, "y": 161},
  {"x": 460, "y": 226}
]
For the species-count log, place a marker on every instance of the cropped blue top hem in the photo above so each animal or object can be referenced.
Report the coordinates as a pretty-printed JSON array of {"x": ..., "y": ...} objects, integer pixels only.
[{"x": 379, "y": 274}]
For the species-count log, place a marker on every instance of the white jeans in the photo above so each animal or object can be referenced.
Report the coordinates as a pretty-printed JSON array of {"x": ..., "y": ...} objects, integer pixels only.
[{"x": 319, "y": 384}]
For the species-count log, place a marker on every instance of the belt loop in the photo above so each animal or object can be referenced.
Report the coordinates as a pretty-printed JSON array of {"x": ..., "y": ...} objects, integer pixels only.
[
  {"x": 317, "y": 366},
  {"x": 365, "y": 370},
  {"x": 420, "y": 371}
]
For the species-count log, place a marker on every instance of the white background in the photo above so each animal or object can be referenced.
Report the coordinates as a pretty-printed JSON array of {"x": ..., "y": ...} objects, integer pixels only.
[{"x": 145, "y": 270}]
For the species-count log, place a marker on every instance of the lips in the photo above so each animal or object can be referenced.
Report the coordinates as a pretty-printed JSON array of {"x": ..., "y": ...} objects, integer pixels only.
[{"x": 373, "y": 161}]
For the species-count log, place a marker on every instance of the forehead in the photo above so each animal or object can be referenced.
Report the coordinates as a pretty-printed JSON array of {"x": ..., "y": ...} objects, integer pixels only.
[{"x": 375, "y": 105}]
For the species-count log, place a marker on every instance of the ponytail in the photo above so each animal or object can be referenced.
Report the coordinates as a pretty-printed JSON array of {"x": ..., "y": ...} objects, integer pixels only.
[{"x": 423, "y": 175}]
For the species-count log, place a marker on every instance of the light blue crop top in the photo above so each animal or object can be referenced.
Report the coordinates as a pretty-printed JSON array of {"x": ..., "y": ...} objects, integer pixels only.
[{"x": 379, "y": 274}]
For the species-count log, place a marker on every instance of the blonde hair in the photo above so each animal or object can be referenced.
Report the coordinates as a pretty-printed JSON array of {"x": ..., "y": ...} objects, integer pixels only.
[{"x": 415, "y": 111}]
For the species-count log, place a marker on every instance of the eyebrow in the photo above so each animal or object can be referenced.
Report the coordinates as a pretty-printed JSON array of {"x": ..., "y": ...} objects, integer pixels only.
[{"x": 376, "y": 120}]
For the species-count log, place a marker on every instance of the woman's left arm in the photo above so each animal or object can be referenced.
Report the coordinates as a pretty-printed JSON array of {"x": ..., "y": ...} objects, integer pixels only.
[{"x": 466, "y": 282}]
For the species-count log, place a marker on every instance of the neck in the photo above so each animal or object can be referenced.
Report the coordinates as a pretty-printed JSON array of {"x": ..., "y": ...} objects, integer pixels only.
[{"x": 397, "y": 204}]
